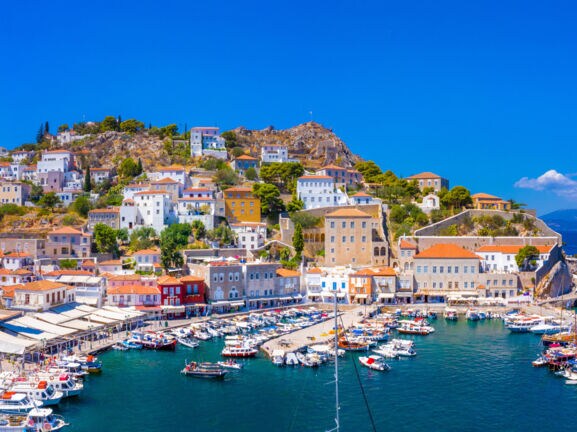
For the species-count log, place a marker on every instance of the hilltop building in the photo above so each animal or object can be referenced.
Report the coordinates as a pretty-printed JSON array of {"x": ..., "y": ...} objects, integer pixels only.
[
  {"x": 206, "y": 141},
  {"x": 430, "y": 180}
]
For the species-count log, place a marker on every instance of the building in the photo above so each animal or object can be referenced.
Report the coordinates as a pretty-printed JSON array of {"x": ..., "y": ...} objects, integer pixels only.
[
  {"x": 147, "y": 260},
  {"x": 312, "y": 280},
  {"x": 261, "y": 284},
  {"x": 154, "y": 209},
  {"x": 176, "y": 173},
  {"x": 446, "y": 270},
  {"x": 430, "y": 202},
  {"x": 55, "y": 160},
  {"x": 100, "y": 175},
  {"x": 42, "y": 295},
  {"x": 354, "y": 237},
  {"x": 16, "y": 260},
  {"x": 14, "y": 193},
  {"x": 128, "y": 214},
  {"x": 130, "y": 279},
  {"x": 22, "y": 156},
  {"x": 288, "y": 286},
  {"x": 386, "y": 289},
  {"x": 111, "y": 266},
  {"x": 241, "y": 205},
  {"x": 108, "y": 216},
  {"x": 363, "y": 198},
  {"x": 206, "y": 141},
  {"x": 427, "y": 180},
  {"x": 501, "y": 258},
  {"x": 341, "y": 176},
  {"x": 133, "y": 295},
  {"x": 484, "y": 201},
  {"x": 319, "y": 191},
  {"x": 69, "y": 136},
  {"x": 89, "y": 289},
  {"x": 67, "y": 242},
  {"x": 130, "y": 190},
  {"x": 196, "y": 202},
  {"x": 243, "y": 163},
  {"x": 169, "y": 185},
  {"x": 250, "y": 235},
  {"x": 224, "y": 282},
  {"x": 274, "y": 153},
  {"x": 361, "y": 286}
]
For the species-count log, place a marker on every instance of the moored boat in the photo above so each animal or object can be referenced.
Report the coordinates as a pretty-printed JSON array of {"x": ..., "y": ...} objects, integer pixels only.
[
  {"x": 451, "y": 314},
  {"x": 238, "y": 351},
  {"x": 230, "y": 364},
  {"x": 374, "y": 362},
  {"x": 37, "y": 420},
  {"x": 204, "y": 370}
]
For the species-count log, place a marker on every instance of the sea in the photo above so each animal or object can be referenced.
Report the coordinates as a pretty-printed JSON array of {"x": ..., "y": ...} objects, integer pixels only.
[
  {"x": 570, "y": 242},
  {"x": 467, "y": 376}
]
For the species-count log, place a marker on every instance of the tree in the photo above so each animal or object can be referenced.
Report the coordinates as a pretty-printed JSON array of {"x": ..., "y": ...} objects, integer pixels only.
[
  {"x": 49, "y": 200},
  {"x": 226, "y": 177},
  {"x": 109, "y": 124},
  {"x": 251, "y": 174},
  {"x": 87, "y": 187},
  {"x": 179, "y": 233},
  {"x": 128, "y": 168},
  {"x": 82, "y": 205},
  {"x": 172, "y": 239},
  {"x": 122, "y": 235},
  {"x": 525, "y": 254},
  {"x": 131, "y": 126},
  {"x": 222, "y": 233},
  {"x": 105, "y": 239},
  {"x": 269, "y": 195},
  {"x": 230, "y": 139},
  {"x": 36, "y": 192},
  {"x": 457, "y": 197},
  {"x": 142, "y": 238},
  {"x": 298, "y": 240},
  {"x": 305, "y": 220},
  {"x": 63, "y": 128},
  {"x": 40, "y": 134},
  {"x": 295, "y": 204},
  {"x": 46, "y": 128},
  {"x": 68, "y": 264},
  {"x": 139, "y": 166},
  {"x": 198, "y": 229},
  {"x": 369, "y": 170}
]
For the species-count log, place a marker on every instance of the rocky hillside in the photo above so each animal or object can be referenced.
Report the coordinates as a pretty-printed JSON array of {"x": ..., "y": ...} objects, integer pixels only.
[{"x": 313, "y": 144}]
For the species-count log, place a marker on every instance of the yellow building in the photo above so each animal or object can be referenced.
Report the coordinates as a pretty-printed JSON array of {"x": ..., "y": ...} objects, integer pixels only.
[
  {"x": 240, "y": 205},
  {"x": 483, "y": 201}
]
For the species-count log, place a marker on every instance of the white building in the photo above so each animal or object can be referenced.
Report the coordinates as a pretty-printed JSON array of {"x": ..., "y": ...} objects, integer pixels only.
[
  {"x": 131, "y": 189},
  {"x": 89, "y": 289},
  {"x": 335, "y": 280},
  {"x": 99, "y": 175},
  {"x": 206, "y": 141},
  {"x": 22, "y": 155},
  {"x": 55, "y": 160},
  {"x": 319, "y": 191},
  {"x": 363, "y": 198},
  {"x": 501, "y": 259},
  {"x": 154, "y": 209},
  {"x": 174, "y": 172},
  {"x": 128, "y": 214},
  {"x": 250, "y": 235},
  {"x": 274, "y": 153},
  {"x": 69, "y": 136},
  {"x": 42, "y": 295},
  {"x": 430, "y": 202}
]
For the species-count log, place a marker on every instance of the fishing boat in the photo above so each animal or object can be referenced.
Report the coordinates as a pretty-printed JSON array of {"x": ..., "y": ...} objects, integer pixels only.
[
  {"x": 353, "y": 346},
  {"x": 451, "y": 314},
  {"x": 416, "y": 327},
  {"x": 204, "y": 370},
  {"x": 278, "y": 357},
  {"x": 131, "y": 344},
  {"x": 37, "y": 420},
  {"x": 374, "y": 362},
  {"x": 238, "y": 351},
  {"x": 63, "y": 383},
  {"x": 187, "y": 342},
  {"x": 563, "y": 339},
  {"x": 291, "y": 359},
  {"x": 40, "y": 391},
  {"x": 230, "y": 364},
  {"x": 119, "y": 347}
]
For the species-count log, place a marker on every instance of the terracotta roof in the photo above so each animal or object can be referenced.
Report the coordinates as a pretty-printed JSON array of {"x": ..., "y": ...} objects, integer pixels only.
[
  {"x": 165, "y": 180},
  {"x": 127, "y": 277},
  {"x": 314, "y": 270},
  {"x": 482, "y": 195},
  {"x": 447, "y": 251},
  {"x": 282, "y": 272},
  {"x": 22, "y": 272},
  {"x": 191, "y": 279},
  {"x": 171, "y": 168},
  {"x": 424, "y": 175},
  {"x": 238, "y": 189},
  {"x": 246, "y": 157},
  {"x": 68, "y": 273},
  {"x": 57, "y": 151},
  {"x": 315, "y": 177},
  {"x": 348, "y": 213},
  {"x": 168, "y": 280},
  {"x": 385, "y": 271},
  {"x": 43, "y": 285},
  {"x": 106, "y": 210},
  {"x": 8, "y": 291},
  {"x": 513, "y": 249},
  {"x": 152, "y": 192},
  {"x": 331, "y": 166},
  {"x": 362, "y": 194},
  {"x": 481, "y": 286},
  {"x": 198, "y": 190},
  {"x": 110, "y": 262},
  {"x": 88, "y": 263},
  {"x": 404, "y": 244},
  {"x": 363, "y": 272},
  {"x": 133, "y": 289},
  {"x": 14, "y": 254},
  {"x": 196, "y": 199},
  {"x": 66, "y": 230},
  {"x": 147, "y": 252}
]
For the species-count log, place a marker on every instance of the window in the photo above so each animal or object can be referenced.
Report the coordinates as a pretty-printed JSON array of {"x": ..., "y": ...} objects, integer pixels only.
[
  {"x": 418, "y": 269},
  {"x": 344, "y": 239},
  {"x": 352, "y": 239},
  {"x": 344, "y": 224},
  {"x": 440, "y": 285},
  {"x": 456, "y": 285},
  {"x": 177, "y": 290},
  {"x": 434, "y": 269},
  {"x": 450, "y": 285},
  {"x": 352, "y": 224},
  {"x": 332, "y": 239},
  {"x": 332, "y": 224},
  {"x": 472, "y": 269},
  {"x": 456, "y": 269},
  {"x": 448, "y": 269},
  {"x": 188, "y": 289},
  {"x": 465, "y": 268},
  {"x": 425, "y": 269},
  {"x": 441, "y": 269}
]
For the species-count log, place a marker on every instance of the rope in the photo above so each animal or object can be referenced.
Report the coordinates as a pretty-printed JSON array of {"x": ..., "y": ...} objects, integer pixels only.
[
  {"x": 292, "y": 422},
  {"x": 365, "y": 399}
]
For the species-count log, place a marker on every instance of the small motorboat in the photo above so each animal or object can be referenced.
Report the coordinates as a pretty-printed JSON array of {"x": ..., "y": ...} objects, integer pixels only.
[
  {"x": 119, "y": 347},
  {"x": 539, "y": 361},
  {"x": 187, "y": 342},
  {"x": 374, "y": 362},
  {"x": 278, "y": 357},
  {"x": 230, "y": 364},
  {"x": 204, "y": 370},
  {"x": 291, "y": 359},
  {"x": 131, "y": 344}
]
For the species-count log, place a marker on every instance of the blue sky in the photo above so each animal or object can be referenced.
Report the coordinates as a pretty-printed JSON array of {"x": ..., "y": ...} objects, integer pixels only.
[{"x": 483, "y": 93}]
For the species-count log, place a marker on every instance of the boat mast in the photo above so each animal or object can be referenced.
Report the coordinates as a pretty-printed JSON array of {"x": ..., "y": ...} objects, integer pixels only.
[{"x": 337, "y": 417}]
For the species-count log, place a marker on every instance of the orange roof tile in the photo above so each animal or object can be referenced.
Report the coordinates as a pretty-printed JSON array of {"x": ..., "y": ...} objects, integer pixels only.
[
  {"x": 68, "y": 272},
  {"x": 165, "y": 180},
  {"x": 106, "y": 210},
  {"x": 404, "y": 244},
  {"x": 482, "y": 195},
  {"x": 43, "y": 285},
  {"x": 315, "y": 177},
  {"x": 238, "y": 189},
  {"x": 363, "y": 272},
  {"x": 513, "y": 249},
  {"x": 110, "y": 262},
  {"x": 331, "y": 166},
  {"x": 447, "y": 251},
  {"x": 152, "y": 192},
  {"x": 133, "y": 289},
  {"x": 120, "y": 278},
  {"x": 14, "y": 254},
  {"x": 191, "y": 279},
  {"x": 8, "y": 291},
  {"x": 168, "y": 280},
  {"x": 246, "y": 157},
  {"x": 88, "y": 263},
  {"x": 171, "y": 168},
  {"x": 147, "y": 252},
  {"x": 424, "y": 175},
  {"x": 385, "y": 271},
  {"x": 348, "y": 213},
  {"x": 314, "y": 270},
  {"x": 362, "y": 194},
  {"x": 282, "y": 272},
  {"x": 66, "y": 230}
]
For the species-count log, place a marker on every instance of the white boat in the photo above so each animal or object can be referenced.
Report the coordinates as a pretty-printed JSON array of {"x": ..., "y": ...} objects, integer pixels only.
[
  {"x": 278, "y": 357},
  {"x": 63, "y": 383},
  {"x": 119, "y": 347},
  {"x": 309, "y": 360},
  {"x": 37, "y": 420},
  {"x": 238, "y": 351},
  {"x": 203, "y": 336},
  {"x": 40, "y": 391},
  {"x": 548, "y": 329},
  {"x": 17, "y": 403},
  {"x": 190, "y": 343},
  {"x": 451, "y": 314},
  {"x": 374, "y": 362},
  {"x": 417, "y": 327},
  {"x": 230, "y": 364},
  {"x": 523, "y": 325},
  {"x": 386, "y": 352},
  {"x": 291, "y": 359}
]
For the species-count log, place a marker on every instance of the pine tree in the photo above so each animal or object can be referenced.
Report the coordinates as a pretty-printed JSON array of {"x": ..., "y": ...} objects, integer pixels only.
[
  {"x": 298, "y": 239},
  {"x": 46, "y": 128},
  {"x": 40, "y": 134},
  {"x": 87, "y": 180},
  {"x": 119, "y": 120},
  {"x": 139, "y": 166}
]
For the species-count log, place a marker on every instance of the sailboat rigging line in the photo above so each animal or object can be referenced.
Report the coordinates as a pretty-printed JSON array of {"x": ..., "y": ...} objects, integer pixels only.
[
  {"x": 366, "y": 400},
  {"x": 292, "y": 423}
]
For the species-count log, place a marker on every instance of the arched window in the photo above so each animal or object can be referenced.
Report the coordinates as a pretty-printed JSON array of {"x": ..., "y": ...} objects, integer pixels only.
[
  {"x": 376, "y": 251},
  {"x": 383, "y": 251}
]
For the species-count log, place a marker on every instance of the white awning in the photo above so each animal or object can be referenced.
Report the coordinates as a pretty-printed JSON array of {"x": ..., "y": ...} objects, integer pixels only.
[
  {"x": 89, "y": 300},
  {"x": 14, "y": 345},
  {"x": 285, "y": 298},
  {"x": 341, "y": 295},
  {"x": 82, "y": 325},
  {"x": 220, "y": 303},
  {"x": 172, "y": 309},
  {"x": 100, "y": 319},
  {"x": 404, "y": 294},
  {"x": 237, "y": 303},
  {"x": 52, "y": 318},
  {"x": 298, "y": 296},
  {"x": 28, "y": 321},
  {"x": 361, "y": 296},
  {"x": 386, "y": 295},
  {"x": 314, "y": 295}
]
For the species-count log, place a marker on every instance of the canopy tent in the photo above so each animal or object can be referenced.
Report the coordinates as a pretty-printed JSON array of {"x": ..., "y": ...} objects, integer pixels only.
[
  {"x": 31, "y": 322},
  {"x": 14, "y": 345},
  {"x": 361, "y": 296},
  {"x": 29, "y": 332},
  {"x": 52, "y": 318},
  {"x": 71, "y": 310},
  {"x": 82, "y": 325},
  {"x": 100, "y": 319},
  {"x": 123, "y": 311},
  {"x": 80, "y": 279},
  {"x": 116, "y": 316}
]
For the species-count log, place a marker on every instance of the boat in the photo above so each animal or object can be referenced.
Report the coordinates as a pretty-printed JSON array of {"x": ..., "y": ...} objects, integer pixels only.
[
  {"x": 230, "y": 364},
  {"x": 563, "y": 339},
  {"x": 472, "y": 315},
  {"x": 548, "y": 329},
  {"x": 131, "y": 344},
  {"x": 187, "y": 342},
  {"x": 204, "y": 370},
  {"x": 63, "y": 383},
  {"x": 309, "y": 360},
  {"x": 416, "y": 327},
  {"x": 37, "y": 420},
  {"x": 353, "y": 346},
  {"x": 278, "y": 357},
  {"x": 291, "y": 359},
  {"x": 539, "y": 361},
  {"x": 238, "y": 351},
  {"x": 17, "y": 403},
  {"x": 119, "y": 347},
  {"x": 40, "y": 391},
  {"x": 387, "y": 352},
  {"x": 523, "y": 325},
  {"x": 155, "y": 341},
  {"x": 374, "y": 362},
  {"x": 451, "y": 314}
]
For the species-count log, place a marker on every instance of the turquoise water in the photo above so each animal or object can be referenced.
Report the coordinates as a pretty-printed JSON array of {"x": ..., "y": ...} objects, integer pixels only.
[{"x": 466, "y": 377}]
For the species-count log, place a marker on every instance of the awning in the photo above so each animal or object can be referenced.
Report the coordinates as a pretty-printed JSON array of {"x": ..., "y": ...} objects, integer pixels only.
[
  {"x": 298, "y": 297},
  {"x": 220, "y": 303},
  {"x": 312, "y": 295},
  {"x": 82, "y": 325},
  {"x": 172, "y": 309},
  {"x": 237, "y": 303},
  {"x": 14, "y": 345},
  {"x": 404, "y": 294},
  {"x": 341, "y": 295},
  {"x": 286, "y": 298},
  {"x": 28, "y": 321},
  {"x": 360, "y": 296},
  {"x": 386, "y": 295},
  {"x": 89, "y": 300},
  {"x": 148, "y": 308}
]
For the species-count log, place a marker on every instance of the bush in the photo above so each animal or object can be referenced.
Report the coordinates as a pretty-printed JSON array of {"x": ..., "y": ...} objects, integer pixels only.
[
  {"x": 306, "y": 220},
  {"x": 12, "y": 210},
  {"x": 70, "y": 219}
]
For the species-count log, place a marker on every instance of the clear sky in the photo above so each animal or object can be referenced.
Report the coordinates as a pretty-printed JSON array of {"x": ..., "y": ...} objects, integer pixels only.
[{"x": 481, "y": 92}]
